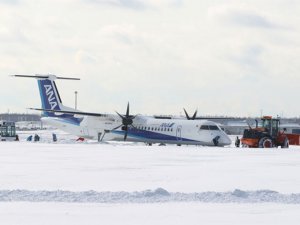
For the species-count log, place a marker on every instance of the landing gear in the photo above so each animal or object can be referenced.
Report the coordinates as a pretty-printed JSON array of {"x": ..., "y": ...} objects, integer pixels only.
[{"x": 216, "y": 140}]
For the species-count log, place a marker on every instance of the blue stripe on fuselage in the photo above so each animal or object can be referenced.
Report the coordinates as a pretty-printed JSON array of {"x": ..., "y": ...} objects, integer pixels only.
[{"x": 143, "y": 134}]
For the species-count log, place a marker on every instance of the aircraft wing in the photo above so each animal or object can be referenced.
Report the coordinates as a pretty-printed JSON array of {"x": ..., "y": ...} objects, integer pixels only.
[
  {"x": 214, "y": 118},
  {"x": 72, "y": 112}
]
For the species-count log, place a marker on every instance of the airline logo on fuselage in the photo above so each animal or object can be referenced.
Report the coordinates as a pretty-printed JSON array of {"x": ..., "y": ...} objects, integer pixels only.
[
  {"x": 50, "y": 95},
  {"x": 167, "y": 125}
]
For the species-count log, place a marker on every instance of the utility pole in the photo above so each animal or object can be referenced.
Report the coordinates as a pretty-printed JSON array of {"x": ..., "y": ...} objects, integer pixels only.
[{"x": 76, "y": 92}]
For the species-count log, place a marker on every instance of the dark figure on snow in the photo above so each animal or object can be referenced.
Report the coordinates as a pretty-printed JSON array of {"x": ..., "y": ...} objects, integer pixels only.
[
  {"x": 237, "y": 142},
  {"x": 36, "y": 137},
  {"x": 54, "y": 138},
  {"x": 29, "y": 138}
]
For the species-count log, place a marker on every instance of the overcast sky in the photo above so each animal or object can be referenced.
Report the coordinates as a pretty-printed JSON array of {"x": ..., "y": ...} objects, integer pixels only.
[{"x": 222, "y": 57}]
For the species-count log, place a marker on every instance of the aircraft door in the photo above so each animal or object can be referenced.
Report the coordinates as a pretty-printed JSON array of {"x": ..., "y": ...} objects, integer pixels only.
[
  {"x": 178, "y": 133},
  {"x": 86, "y": 131}
]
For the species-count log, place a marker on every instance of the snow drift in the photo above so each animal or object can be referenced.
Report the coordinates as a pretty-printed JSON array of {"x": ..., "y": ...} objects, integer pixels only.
[{"x": 159, "y": 195}]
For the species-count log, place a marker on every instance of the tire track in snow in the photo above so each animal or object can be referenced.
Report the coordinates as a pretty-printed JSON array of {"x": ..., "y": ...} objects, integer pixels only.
[{"x": 159, "y": 195}]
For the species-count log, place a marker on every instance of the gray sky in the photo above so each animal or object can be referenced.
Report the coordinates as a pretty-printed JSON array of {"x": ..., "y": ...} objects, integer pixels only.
[{"x": 224, "y": 57}]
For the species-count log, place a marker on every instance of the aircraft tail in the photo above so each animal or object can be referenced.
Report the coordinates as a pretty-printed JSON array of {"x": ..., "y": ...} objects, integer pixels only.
[{"x": 50, "y": 98}]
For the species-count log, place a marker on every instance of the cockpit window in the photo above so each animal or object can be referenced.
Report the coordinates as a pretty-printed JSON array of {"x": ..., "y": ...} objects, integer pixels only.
[
  {"x": 204, "y": 127},
  {"x": 213, "y": 128}
]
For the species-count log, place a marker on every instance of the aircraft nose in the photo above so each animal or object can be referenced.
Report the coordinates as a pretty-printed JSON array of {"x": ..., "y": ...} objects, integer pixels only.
[{"x": 226, "y": 140}]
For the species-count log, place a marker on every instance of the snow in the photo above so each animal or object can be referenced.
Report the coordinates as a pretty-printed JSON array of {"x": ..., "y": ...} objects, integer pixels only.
[
  {"x": 159, "y": 195},
  {"x": 15, "y": 213},
  {"x": 126, "y": 183}
]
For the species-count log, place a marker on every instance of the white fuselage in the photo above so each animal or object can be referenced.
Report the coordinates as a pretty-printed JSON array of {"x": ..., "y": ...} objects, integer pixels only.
[{"x": 145, "y": 129}]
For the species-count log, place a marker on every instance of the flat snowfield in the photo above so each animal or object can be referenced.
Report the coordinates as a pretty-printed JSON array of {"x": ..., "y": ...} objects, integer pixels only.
[{"x": 126, "y": 183}]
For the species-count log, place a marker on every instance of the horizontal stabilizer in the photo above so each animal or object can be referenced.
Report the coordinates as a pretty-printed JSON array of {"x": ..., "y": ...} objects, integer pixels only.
[
  {"x": 71, "y": 112},
  {"x": 49, "y": 76}
]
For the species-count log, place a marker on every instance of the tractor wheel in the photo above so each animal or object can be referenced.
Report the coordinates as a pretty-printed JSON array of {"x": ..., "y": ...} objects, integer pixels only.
[
  {"x": 265, "y": 143},
  {"x": 285, "y": 143}
]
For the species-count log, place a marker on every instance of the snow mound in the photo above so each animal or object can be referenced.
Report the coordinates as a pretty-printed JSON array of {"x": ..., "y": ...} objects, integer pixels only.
[{"x": 148, "y": 196}]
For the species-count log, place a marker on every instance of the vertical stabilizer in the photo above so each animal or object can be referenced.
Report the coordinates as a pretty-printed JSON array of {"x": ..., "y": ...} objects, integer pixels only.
[{"x": 50, "y": 98}]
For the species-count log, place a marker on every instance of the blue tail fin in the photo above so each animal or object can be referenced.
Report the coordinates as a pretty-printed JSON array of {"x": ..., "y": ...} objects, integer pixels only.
[
  {"x": 51, "y": 100},
  {"x": 49, "y": 96}
]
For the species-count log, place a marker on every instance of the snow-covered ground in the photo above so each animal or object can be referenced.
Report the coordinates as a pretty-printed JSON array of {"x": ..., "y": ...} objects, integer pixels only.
[{"x": 126, "y": 183}]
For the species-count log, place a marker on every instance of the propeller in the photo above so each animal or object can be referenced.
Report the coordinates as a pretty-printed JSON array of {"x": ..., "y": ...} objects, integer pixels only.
[
  {"x": 194, "y": 117},
  {"x": 127, "y": 120},
  {"x": 188, "y": 117}
]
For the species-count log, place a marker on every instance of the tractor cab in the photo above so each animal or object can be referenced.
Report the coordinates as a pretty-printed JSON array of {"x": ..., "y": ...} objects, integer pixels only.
[
  {"x": 7, "y": 131},
  {"x": 270, "y": 125}
]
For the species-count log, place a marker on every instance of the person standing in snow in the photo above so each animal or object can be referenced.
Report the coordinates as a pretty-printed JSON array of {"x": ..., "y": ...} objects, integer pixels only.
[
  {"x": 54, "y": 138},
  {"x": 237, "y": 142},
  {"x": 36, "y": 137}
]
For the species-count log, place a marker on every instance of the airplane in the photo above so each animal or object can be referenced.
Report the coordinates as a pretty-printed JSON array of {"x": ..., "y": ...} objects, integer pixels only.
[{"x": 127, "y": 127}]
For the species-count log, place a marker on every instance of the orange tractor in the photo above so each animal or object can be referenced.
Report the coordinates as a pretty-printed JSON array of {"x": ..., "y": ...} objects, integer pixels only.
[{"x": 266, "y": 136}]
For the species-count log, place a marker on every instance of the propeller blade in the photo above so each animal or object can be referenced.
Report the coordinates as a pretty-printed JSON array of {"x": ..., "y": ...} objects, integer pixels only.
[
  {"x": 133, "y": 126},
  {"x": 120, "y": 115},
  {"x": 195, "y": 114},
  {"x": 186, "y": 114},
  {"x": 125, "y": 136},
  {"x": 127, "y": 111},
  {"x": 188, "y": 117},
  {"x": 117, "y": 127}
]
